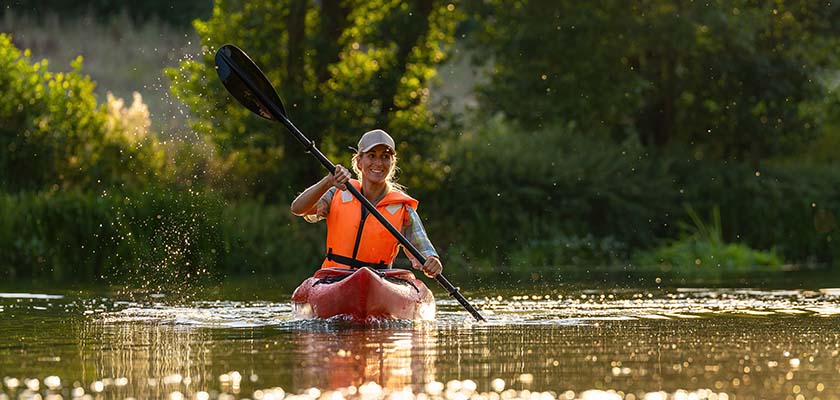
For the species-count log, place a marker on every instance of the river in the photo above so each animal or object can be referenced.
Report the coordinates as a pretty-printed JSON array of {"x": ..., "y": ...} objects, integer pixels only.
[{"x": 539, "y": 344}]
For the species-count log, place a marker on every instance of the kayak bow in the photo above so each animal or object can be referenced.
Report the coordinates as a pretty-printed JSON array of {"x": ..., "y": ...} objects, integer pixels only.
[{"x": 362, "y": 294}]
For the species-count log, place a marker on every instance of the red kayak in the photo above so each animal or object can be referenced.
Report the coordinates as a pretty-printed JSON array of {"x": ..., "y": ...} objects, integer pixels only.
[{"x": 362, "y": 294}]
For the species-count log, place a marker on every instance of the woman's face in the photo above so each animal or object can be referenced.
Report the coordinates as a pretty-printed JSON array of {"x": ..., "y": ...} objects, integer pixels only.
[{"x": 376, "y": 164}]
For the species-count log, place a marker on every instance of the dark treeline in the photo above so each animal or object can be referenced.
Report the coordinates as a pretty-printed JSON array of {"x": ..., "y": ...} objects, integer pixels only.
[
  {"x": 693, "y": 139},
  {"x": 178, "y": 13}
]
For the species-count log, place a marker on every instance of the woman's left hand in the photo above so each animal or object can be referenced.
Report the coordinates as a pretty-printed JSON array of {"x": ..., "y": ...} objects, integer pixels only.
[{"x": 432, "y": 267}]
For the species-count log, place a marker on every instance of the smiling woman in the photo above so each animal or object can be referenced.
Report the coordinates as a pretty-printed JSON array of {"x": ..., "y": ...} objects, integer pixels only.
[{"x": 350, "y": 240}]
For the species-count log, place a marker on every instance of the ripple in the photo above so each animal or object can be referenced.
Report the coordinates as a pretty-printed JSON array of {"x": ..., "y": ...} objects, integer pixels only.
[
  {"x": 683, "y": 303},
  {"x": 579, "y": 308},
  {"x": 223, "y": 314},
  {"x": 30, "y": 296}
]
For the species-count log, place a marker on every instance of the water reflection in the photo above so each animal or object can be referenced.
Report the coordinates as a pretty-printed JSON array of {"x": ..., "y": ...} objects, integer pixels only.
[
  {"x": 145, "y": 360},
  {"x": 152, "y": 359},
  {"x": 337, "y": 358}
]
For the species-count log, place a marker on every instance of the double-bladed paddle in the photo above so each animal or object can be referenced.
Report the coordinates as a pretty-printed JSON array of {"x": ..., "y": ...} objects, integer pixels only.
[{"x": 245, "y": 82}]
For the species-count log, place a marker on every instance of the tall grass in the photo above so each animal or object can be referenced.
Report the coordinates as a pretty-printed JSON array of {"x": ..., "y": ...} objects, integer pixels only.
[{"x": 702, "y": 252}]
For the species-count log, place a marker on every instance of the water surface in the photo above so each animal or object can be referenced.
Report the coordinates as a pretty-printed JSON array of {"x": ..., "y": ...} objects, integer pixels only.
[{"x": 566, "y": 344}]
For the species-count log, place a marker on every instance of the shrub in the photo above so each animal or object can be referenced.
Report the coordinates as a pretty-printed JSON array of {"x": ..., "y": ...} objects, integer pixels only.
[
  {"x": 524, "y": 189},
  {"x": 55, "y": 136},
  {"x": 570, "y": 251},
  {"x": 702, "y": 253},
  {"x": 147, "y": 238},
  {"x": 531, "y": 197},
  {"x": 790, "y": 208},
  {"x": 158, "y": 239},
  {"x": 268, "y": 239}
]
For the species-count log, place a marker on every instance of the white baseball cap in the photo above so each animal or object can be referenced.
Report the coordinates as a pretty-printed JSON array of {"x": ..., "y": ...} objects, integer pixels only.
[{"x": 374, "y": 138}]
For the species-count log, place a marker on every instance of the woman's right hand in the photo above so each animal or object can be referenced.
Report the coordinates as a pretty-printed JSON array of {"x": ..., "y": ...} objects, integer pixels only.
[
  {"x": 308, "y": 201},
  {"x": 340, "y": 177}
]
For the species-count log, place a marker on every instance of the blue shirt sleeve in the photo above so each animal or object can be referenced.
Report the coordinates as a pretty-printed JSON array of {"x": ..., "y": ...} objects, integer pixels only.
[{"x": 416, "y": 234}]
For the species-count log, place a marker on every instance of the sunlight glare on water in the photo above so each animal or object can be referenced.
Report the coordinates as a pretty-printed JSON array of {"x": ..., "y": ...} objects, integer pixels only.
[
  {"x": 588, "y": 307},
  {"x": 630, "y": 305},
  {"x": 452, "y": 390},
  {"x": 576, "y": 344}
]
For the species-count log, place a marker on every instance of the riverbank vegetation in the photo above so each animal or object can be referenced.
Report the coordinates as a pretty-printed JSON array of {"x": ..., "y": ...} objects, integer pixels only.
[{"x": 631, "y": 141}]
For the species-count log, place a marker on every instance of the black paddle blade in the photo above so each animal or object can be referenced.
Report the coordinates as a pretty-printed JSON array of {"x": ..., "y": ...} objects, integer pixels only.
[{"x": 240, "y": 74}]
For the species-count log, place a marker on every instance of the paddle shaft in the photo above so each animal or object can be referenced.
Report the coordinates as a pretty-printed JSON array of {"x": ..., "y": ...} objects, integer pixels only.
[{"x": 310, "y": 147}]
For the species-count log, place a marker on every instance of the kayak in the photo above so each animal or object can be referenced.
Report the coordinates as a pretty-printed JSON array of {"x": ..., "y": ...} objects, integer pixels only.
[{"x": 363, "y": 294}]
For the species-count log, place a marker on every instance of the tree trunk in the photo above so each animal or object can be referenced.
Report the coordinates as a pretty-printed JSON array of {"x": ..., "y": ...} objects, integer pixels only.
[
  {"x": 405, "y": 43},
  {"x": 333, "y": 21}
]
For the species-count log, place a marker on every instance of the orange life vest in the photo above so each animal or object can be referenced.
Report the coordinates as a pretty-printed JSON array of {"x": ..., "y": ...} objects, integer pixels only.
[{"x": 371, "y": 244}]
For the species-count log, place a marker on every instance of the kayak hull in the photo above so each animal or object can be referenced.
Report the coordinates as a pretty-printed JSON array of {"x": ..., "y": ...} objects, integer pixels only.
[{"x": 363, "y": 294}]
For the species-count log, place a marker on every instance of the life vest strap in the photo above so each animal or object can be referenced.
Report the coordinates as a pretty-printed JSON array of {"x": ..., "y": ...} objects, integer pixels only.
[{"x": 354, "y": 263}]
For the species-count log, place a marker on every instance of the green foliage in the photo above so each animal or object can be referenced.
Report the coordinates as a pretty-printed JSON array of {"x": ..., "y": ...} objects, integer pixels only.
[
  {"x": 55, "y": 136},
  {"x": 590, "y": 201},
  {"x": 790, "y": 208},
  {"x": 702, "y": 253},
  {"x": 148, "y": 238},
  {"x": 268, "y": 240},
  {"x": 592, "y": 142},
  {"x": 157, "y": 239},
  {"x": 696, "y": 259},
  {"x": 823, "y": 150},
  {"x": 121, "y": 56},
  {"x": 569, "y": 251},
  {"x": 518, "y": 189},
  {"x": 341, "y": 67},
  {"x": 737, "y": 79}
]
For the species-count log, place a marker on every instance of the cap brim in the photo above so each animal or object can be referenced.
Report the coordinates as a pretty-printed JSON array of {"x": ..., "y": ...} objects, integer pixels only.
[{"x": 369, "y": 148}]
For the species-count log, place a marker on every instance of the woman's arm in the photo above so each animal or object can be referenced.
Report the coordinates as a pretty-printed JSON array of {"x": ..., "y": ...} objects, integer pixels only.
[
  {"x": 305, "y": 202},
  {"x": 415, "y": 233}
]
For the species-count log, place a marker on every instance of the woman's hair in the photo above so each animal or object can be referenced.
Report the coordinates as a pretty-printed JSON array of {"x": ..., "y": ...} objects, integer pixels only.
[{"x": 390, "y": 180}]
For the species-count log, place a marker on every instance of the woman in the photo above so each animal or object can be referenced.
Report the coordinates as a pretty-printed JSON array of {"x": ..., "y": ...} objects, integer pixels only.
[{"x": 353, "y": 239}]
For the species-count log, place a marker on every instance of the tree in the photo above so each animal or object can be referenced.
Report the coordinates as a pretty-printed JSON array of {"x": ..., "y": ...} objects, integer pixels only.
[
  {"x": 736, "y": 79},
  {"x": 341, "y": 67}
]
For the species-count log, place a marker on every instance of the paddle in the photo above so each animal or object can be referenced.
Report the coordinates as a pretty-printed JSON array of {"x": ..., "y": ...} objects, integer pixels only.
[{"x": 245, "y": 82}]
